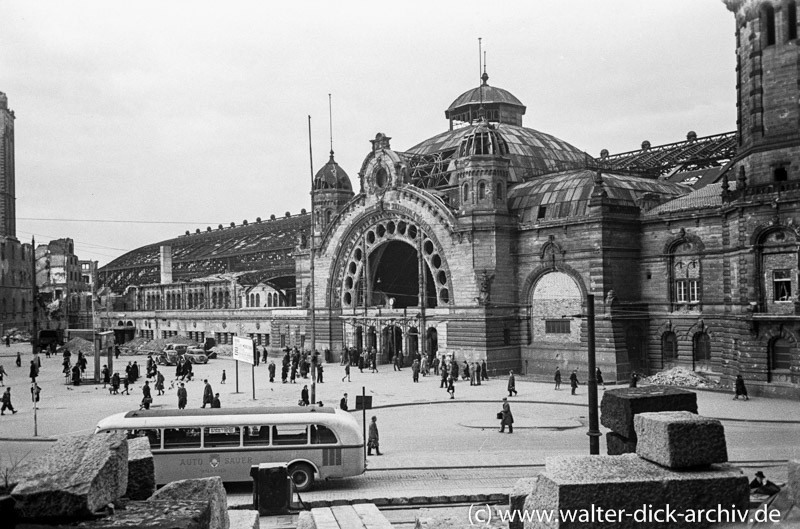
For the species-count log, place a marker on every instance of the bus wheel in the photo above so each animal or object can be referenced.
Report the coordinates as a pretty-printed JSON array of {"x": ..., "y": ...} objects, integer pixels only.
[{"x": 302, "y": 476}]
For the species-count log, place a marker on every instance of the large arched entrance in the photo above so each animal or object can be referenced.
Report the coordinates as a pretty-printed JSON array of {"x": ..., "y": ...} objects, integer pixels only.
[
  {"x": 392, "y": 341},
  {"x": 396, "y": 278}
]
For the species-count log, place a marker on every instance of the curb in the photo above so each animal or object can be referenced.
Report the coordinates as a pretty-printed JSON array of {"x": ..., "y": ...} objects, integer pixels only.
[{"x": 413, "y": 501}]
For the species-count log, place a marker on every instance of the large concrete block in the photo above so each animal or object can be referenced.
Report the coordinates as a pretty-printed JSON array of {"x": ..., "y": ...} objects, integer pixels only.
[
  {"x": 141, "y": 470},
  {"x": 680, "y": 439},
  {"x": 172, "y": 514},
  {"x": 77, "y": 476},
  {"x": 244, "y": 519},
  {"x": 592, "y": 487},
  {"x": 616, "y": 445},
  {"x": 620, "y": 405},
  {"x": 516, "y": 498},
  {"x": 793, "y": 483},
  {"x": 201, "y": 489}
]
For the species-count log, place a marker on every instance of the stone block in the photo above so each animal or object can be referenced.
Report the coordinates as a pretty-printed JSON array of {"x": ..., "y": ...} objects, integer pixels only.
[
  {"x": 306, "y": 521},
  {"x": 141, "y": 470},
  {"x": 793, "y": 481},
  {"x": 680, "y": 439},
  {"x": 77, "y": 476},
  {"x": 620, "y": 405},
  {"x": 243, "y": 519},
  {"x": 455, "y": 519},
  {"x": 516, "y": 498},
  {"x": 174, "y": 514},
  {"x": 582, "y": 484},
  {"x": 201, "y": 489},
  {"x": 616, "y": 445}
]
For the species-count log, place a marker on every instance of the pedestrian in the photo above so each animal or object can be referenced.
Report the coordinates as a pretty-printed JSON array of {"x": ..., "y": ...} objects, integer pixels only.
[
  {"x": 304, "y": 401},
  {"x": 436, "y": 365},
  {"x": 573, "y": 380},
  {"x": 127, "y": 383},
  {"x": 106, "y": 375},
  {"x": 634, "y": 379},
  {"x": 116, "y": 352},
  {"x": 76, "y": 375},
  {"x": 19, "y": 359},
  {"x": 477, "y": 372},
  {"x": 2, "y": 374},
  {"x": 761, "y": 485},
  {"x": 293, "y": 377},
  {"x": 443, "y": 383},
  {"x": 147, "y": 398},
  {"x": 224, "y": 377},
  {"x": 159, "y": 382},
  {"x": 373, "y": 360},
  {"x": 271, "y": 369},
  {"x": 472, "y": 372},
  {"x": 134, "y": 371},
  {"x": 114, "y": 384},
  {"x": 208, "y": 394},
  {"x": 425, "y": 366},
  {"x": 415, "y": 371},
  {"x": 512, "y": 384},
  {"x": 188, "y": 371},
  {"x": 320, "y": 370},
  {"x": 451, "y": 388},
  {"x": 284, "y": 372},
  {"x": 182, "y": 397},
  {"x": 36, "y": 392},
  {"x": 454, "y": 369},
  {"x": 215, "y": 403},
  {"x": 506, "y": 419},
  {"x": 346, "y": 372},
  {"x": 373, "y": 441},
  {"x": 8, "y": 341},
  {"x": 557, "y": 378},
  {"x": 598, "y": 375},
  {"x": 465, "y": 372},
  {"x": 34, "y": 371},
  {"x": 343, "y": 403},
  {"x": 741, "y": 390},
  {"x": 7, "y": 403}
]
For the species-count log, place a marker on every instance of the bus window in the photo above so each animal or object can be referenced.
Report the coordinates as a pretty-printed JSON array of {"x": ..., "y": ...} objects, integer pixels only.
[
  {"x": 154, "y": 436},
  {"x": 218, "y": 436},
  {"x": 322, "y": 435},
  {"x": 181, "y": 438},
  {"x": 256, "y": 435},
  {"x": 289, "y": 434}
]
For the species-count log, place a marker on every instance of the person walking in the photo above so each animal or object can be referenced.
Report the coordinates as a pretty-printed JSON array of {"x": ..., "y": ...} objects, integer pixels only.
[
  {"x": 573, "y": 380},
  {"x": 373, "y": 440},
  {"x": 19, "y": 359},
  {"x": 451, "y": 388},
  {"x": 106, "y": 376},
  {"x": 182, "y": 397},
  {"x": 512, "y": 384},
  {"x": 7, "y": 402},
  {"x": 34, "y": 371},
  {"x": 415, "y": 371},
  {"x": 115, "y": 384},
  {"x": 598, "y": 375},
  {"x": 320, "y": 370},
  {"x": 506, "y": 419},
  {"x": 346, "y": 372},
  {"x": 557, "y": 378},
  {"x": 2, "y": 374},
  {"x": 741, "y": 390},
  {"x": 147, "y": 398},
  {"x": 127, "y": 383},
  {"x": 8, "y": 340},
  {"x": 304, "y": 396},
  {"x": 634, "y": 379},
  {"x": 159, "y": 382},
  {"x": 224, "y": 377},
  {"x": 215, "y": 403},
  {"x": 208, "y": 394},
  {"x": 271, "y": 369},
  {"x": 343, "y": 403}
]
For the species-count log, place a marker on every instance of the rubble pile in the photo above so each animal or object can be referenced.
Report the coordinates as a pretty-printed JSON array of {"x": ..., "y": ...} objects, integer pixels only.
[
  {"x": 155, "y": 346},
  {"x": 17, "y": 335},
  {"x": 79, "y": 345},
  {"x": 132, "y": 346},
  {"x": 223, "y": 350},
  {"x": 679, "y": 376}
]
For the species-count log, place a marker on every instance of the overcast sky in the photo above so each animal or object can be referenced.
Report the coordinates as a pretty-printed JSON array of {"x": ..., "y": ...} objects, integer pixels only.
[{"x": 173, "y": 116}]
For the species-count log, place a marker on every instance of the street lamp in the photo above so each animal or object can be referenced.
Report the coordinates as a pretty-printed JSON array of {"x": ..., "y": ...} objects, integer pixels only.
[{"x": 594, "y": 421}]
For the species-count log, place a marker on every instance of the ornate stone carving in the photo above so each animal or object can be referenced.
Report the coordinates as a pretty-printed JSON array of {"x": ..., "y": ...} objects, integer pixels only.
[{"x": 485, "y": 287}]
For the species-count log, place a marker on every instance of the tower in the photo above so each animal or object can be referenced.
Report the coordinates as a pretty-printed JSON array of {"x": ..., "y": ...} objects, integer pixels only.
[
  {"x": 768, "y": 90},
  {"x": 8, "y": 215}
]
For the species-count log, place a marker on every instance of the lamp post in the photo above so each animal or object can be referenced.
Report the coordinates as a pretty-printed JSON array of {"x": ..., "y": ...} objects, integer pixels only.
[{"x": 594, "y": 423}]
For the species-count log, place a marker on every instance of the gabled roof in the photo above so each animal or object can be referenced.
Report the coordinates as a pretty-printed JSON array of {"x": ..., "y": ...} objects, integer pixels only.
[{"x": 706, "y": 197}]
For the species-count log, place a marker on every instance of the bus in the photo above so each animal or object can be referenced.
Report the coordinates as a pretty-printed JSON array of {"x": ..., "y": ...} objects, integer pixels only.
[{"x": 320, "y": 441}]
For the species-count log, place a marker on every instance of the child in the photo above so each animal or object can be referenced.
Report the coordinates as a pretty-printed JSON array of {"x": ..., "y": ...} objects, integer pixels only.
[{"x": 224, "y": 377}]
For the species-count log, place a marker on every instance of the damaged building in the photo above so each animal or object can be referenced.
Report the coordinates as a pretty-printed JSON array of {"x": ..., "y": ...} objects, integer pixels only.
[{"x": 485, "y": 241}]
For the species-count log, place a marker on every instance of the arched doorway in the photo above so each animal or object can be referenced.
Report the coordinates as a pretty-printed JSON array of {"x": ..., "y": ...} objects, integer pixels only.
[
  {"x": 432, "y": 341},
  {"x": 701, "y": 351},
  {"x": 392, "y": 340},
  {"x": 396, "y": 275},
  {"x": 359, "y": 339},
  {"x": 412, "y": 340},
  {"x": 780, "y": 360},
  {"x": 669, "y": 349}
]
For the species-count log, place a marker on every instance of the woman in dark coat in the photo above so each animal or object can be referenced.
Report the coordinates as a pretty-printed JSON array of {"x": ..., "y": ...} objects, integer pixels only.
[
  {"x": 740, "y": 388},
  {"x": 573, "y": 380}
]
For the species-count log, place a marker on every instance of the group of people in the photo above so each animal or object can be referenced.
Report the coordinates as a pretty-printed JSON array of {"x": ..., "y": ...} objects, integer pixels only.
[{"x": 298, "y": 364}]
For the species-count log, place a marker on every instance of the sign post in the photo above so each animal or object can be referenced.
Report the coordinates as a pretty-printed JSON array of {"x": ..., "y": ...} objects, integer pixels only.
[{"x": 243, "y": 350}]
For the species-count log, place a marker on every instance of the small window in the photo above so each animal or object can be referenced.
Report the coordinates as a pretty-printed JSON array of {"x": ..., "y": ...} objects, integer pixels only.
[
  {"x": 556, "y": 326},
  {"x": 153, "y": 435},
  {"x": 289, "y": 435},
  {"x": 506, "y": 336},
  {"x": 256, "y": 435},
  {"x": 481, "y": 191},
  {"x": 768, "y": 24},
  {"x": 780, "y": 174},
  {"x": 791, "y": 20},
  {"x": 181, "y": 438},
  {"x": 782, "y": 285},
  {"x": 221, "y": 436},
  {"x": 541, "y": 213},
  {"x": 322, "y": 435},
  {"x": 465, "y": 193}
]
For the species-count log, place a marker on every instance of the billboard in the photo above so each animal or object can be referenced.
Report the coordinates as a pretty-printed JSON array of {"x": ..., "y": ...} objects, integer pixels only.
[{"x": 243, "y": 350}]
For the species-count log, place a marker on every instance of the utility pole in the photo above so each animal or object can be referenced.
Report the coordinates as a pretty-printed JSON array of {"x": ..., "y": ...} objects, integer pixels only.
[
  {"x": 594, "y": 423},
  {"x": 35, "y": 296},
  {"x": 311, "y": 266}
]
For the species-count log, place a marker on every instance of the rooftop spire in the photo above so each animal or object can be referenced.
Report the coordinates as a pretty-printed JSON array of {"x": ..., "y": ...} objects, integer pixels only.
[
  {"x": 480, "y": 86},
  {"x": 330, "y": 122}
]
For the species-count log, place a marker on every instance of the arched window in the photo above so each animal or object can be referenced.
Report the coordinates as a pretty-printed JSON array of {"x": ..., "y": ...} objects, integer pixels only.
[
  {"x": 767, "y": 24},
  {"x": 686, "y": 280},
  {"x": 227, "y": 299},
  {"x": 702, "y": 352},
  {"x": 481, "y": 190},
  {"x": 780, "y": 360},
  {"x": 669, "y": 348},
  {"x": 465, "y": 193},
  {"x": 258, "y": 300},
  {"x": 178, "y": 299},
  {"x": 791, "y": 20}
]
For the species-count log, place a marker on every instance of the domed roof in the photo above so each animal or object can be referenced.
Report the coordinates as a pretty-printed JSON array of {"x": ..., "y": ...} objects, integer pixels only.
[
  {"x": 489, "y": 95},
  {"x": 332, "y": 176},
  {"x": 482, "y": 139},
  {"x": 567, "y": 194}
]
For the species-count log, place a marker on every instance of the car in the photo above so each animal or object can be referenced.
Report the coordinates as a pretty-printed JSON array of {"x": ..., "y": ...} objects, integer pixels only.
[{"x": 196, "y": 355}]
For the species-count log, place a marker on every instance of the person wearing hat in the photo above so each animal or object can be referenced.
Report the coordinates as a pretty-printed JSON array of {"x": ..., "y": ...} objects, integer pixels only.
[
  {"x": 761, "y": 485},
  {"x": 741, "y": 390},
  {"x": 373, "y": 441},
  {"x": 343, "y": 403},
  {"x": 506, "y": 419}
]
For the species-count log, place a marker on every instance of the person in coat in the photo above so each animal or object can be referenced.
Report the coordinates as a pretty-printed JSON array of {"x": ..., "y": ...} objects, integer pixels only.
[
  {"x": 34, "y": 372},
  {"x": 512, "y": 384},
  {"x": 451, "y": 388},
  {"x": 373, "y": 440},
  {"x": 506, "y": 419},
  {"x": 147, "y": 397},
  {"x": 7, "y": 403},
  {"x": 271, "y": 369},
  {"x": 573, "y": 380},
  {"x": 115, "y": 384},
  {"x": 320, "y": 371},
  {"x": 208, "y": 395},
  {"x": 182, "y": 397},
  {"x": 634, "y": 379},
  {"x": 76, "y": 375},
  {"x": 598, "y": 375},
  {"x": 304, "y": 396},
  {"x": 741, "y": 390},
  {"x": 159, "y": 382},
  {"x": 557, "y": 378},
  {"x": 106, "y": 376},
  {"x": 215, "y": 403},
  {"x": 415, "y": 371},
  {"x": 484, "y": 372},
  {"x": 343, "y": 403}
]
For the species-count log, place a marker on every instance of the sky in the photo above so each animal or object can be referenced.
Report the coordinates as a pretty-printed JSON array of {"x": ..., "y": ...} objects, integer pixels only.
[{"x": 137, "y": 121}]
